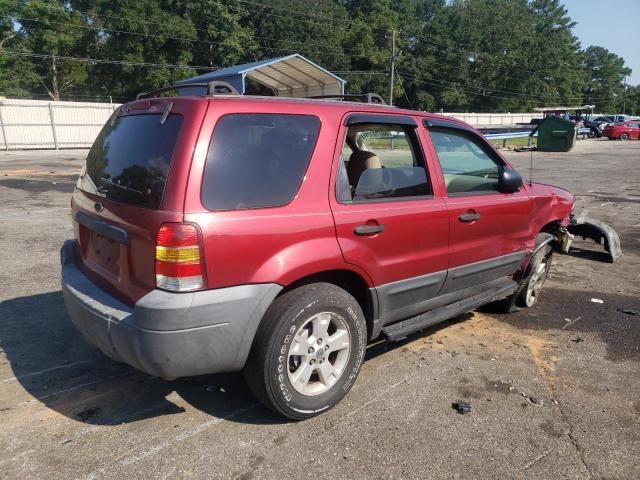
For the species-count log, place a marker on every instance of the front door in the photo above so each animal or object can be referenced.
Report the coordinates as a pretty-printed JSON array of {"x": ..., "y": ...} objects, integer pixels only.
[
  {"x": 388, "y": 221},
  {"x": 489, "y": 229}
]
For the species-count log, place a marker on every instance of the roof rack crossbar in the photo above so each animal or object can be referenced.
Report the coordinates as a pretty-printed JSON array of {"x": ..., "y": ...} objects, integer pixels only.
[
  {"x": 215, "y": 87},
  {"x": 364, "y": 97}
]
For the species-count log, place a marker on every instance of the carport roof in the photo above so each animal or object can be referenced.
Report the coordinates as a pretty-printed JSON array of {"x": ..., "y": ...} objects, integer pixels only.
[{"x": 289, "y": 76}]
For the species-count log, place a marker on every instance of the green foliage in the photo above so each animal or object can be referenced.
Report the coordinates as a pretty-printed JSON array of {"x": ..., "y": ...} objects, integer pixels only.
[
  {"x": 631, "y": 100},
  {"x": 473, "y": 55},
  {"x": 604, "y": 76}
]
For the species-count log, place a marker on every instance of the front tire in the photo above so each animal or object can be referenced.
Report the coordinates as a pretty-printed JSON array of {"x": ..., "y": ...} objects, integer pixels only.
[
  {"x": 528, "y": 292},
  {"x": 538, "y": 271},
  {"x": 624, "y": 136},
  {"x": 308, "y": 351}
]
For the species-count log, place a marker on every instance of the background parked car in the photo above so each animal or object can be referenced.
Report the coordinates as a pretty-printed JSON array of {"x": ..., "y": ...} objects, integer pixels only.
[{"x": 623, "y": 131}]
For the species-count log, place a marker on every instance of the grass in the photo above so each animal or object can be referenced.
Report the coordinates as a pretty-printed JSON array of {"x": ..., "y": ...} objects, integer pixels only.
[{"x": 514, "y": 142}]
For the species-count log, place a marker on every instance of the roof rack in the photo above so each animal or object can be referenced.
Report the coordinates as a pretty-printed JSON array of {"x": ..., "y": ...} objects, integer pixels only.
[
  {"x": 215, "y": 87},
  {"x": 363, "y": 97}
]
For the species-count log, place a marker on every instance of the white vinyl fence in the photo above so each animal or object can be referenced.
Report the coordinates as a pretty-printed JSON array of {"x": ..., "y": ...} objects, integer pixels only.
[
  {"x": 40, "y": 124},
  {"x": 494, "y": 119},
  {"x": 26, "y": 124}
]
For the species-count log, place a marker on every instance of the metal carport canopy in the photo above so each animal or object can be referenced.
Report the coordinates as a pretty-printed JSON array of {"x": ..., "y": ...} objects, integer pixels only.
[{"x": 289, "y": 76}]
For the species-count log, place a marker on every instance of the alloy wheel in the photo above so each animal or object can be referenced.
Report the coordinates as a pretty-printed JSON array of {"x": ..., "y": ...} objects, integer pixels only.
[{"x": 319, "y": 354}]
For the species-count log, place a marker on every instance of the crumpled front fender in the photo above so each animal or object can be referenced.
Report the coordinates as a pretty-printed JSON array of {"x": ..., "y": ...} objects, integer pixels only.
[{"x": 597, "y": 231}]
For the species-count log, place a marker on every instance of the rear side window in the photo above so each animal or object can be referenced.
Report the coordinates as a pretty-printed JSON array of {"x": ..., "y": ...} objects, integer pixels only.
[
  {"x": 257, "y": 160},
  {"x": 130, "y": 159}
]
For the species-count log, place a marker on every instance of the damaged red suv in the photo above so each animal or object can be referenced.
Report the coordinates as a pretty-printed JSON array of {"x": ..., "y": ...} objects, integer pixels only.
[{"x": 220, "y": 233}]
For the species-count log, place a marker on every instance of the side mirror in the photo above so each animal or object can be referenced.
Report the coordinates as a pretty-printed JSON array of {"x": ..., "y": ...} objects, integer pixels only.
[{"x": 509, "y": 180}]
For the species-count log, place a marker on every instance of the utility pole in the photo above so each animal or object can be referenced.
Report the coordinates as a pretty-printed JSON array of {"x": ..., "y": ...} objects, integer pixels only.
[
  {"x": 393, "y": 64},
  {"x": 624, "y": 91}
]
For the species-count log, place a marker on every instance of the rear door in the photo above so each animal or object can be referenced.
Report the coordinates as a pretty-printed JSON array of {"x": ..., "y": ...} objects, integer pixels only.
[
  {"x": 489, "y": 229},
  {"x": 132, "y": 182},
  {"x": 388, "y": 221}
]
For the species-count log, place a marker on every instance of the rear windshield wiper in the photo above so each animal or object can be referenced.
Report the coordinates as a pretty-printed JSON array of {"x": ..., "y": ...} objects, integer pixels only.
[{"x": 107, "y": 183}]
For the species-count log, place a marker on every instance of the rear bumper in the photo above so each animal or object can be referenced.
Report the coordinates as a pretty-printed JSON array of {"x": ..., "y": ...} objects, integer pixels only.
[{"x": 166, "y": 334}]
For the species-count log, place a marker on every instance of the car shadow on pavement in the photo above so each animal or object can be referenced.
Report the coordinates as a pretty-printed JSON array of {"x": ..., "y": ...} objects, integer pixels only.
[
  {"x": 615, "y": 321},
  {"x": 586, "y": 254},
  {"x": 49, "y": 359}
]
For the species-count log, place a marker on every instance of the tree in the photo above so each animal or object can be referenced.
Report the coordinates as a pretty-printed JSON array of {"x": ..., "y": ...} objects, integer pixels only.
[
  {"x": 480, "y": 55},
  {"x": 604, "y": 75},
  {"x": 632, "y": 100},
  {"x": 49, "y": 27},
  {"x": 17, "y": 73},
  {"x": 553, "y": 62},
  {"x": 314, "y": 29}
]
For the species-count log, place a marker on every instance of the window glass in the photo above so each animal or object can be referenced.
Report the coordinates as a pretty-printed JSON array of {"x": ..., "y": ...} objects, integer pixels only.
[
  {"x": 465, "y": 164},
  {"x": 129, "y": 160},
  {"x": 382, "y": 161},
  {"x": 257, "y": 160}
]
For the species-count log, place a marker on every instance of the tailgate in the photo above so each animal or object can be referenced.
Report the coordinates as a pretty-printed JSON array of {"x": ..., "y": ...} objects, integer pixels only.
[{"x": 133, "y": 182}]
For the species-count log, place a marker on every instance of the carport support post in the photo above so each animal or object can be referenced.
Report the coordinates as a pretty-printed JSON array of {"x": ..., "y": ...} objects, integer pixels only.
[
  {"x": 53, "y": 126},
  {"x": 4, "y": 132}
]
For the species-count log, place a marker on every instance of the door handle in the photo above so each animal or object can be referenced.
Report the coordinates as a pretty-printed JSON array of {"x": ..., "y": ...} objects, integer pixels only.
[
  {"x": 469, "y": 217},
  {"x": 368, "y": 229}
]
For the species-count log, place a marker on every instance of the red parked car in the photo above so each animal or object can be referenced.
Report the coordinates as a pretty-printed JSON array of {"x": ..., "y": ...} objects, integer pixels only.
[
  {"x": 623, "y": 131},
  {"x": 278, "y": 236}
]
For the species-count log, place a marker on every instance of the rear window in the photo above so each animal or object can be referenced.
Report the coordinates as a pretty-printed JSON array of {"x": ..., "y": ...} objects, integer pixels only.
[
  {"x": 129, "y": 161},
  {"x": 257, "y": 160}
]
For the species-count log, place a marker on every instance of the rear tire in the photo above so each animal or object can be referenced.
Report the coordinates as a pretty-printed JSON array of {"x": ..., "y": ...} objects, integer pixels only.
[
  {"x": 308, "y": 351},
  {"x": 593, "y": 133}
]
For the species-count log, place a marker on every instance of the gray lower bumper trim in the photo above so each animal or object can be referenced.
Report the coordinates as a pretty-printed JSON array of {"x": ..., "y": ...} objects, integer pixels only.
[{"x": 167, "y": 334}]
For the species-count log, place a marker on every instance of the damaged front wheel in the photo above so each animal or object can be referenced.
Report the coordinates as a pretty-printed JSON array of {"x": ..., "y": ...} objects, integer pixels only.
[
  {"x": 538, "y": 272},
  {"x": 531, "y": 283}
]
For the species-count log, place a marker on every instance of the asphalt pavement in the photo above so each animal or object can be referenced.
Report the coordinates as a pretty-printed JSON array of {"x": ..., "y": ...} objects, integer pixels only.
[{"x": 554, "y": 390}]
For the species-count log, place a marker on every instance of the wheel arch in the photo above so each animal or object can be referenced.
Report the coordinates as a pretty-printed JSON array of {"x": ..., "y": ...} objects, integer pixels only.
[{"x": 350, "y": 281}]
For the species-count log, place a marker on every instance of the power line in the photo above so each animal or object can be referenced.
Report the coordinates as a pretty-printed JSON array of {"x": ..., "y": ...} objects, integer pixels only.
[
  {"x": 432, "y": 44},
  {"x": 185, "y": 39},
  {"x": 476, "y": 90},
  {"x": 273, "y": 7},
  {"x": 112, "y": 62},
  {"x": 151, "y": 65}
]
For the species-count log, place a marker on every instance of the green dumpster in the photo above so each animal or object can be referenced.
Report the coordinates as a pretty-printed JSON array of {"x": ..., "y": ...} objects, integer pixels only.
[{"x": 556, "y": 135}]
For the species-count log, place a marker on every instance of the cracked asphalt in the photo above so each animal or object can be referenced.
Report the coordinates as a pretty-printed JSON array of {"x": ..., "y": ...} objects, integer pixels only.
[{"x": 554, "y": 391}]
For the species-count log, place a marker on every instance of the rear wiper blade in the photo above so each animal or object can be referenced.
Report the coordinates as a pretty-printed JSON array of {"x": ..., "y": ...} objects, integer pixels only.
[{"x": 107, "y": 183}]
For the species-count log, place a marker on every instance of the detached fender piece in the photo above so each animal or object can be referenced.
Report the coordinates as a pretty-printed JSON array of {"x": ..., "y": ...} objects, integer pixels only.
[{"x": 597, "y": 231}]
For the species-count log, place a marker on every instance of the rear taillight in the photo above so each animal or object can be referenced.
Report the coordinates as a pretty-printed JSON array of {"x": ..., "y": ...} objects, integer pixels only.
[{"x": 179, "y": 258}]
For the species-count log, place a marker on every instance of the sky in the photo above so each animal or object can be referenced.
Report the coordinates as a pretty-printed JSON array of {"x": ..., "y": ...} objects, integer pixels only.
[{"x": 612, "y": 24}]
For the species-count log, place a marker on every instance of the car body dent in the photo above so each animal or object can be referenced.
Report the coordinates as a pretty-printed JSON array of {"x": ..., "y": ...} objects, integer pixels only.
[{"x": 551, "y": 204}]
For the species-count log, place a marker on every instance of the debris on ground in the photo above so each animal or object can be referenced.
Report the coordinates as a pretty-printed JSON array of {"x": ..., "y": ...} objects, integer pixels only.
[
  {"x": 538, "y": 402},
  {"x": 571, "y": 322},
  {"x": 597, "y": 300},
  {"x": 629, "y": 311},
  {"x": 577, "y": 339},
  {"x": 461, "y": 406}
]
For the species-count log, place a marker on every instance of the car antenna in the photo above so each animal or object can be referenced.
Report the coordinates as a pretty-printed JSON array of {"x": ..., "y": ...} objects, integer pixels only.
[{"x": 531, "y": 153}]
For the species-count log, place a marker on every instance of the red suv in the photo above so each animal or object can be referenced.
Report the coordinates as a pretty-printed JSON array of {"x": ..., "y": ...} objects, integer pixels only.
[{"x": 278, "y": 236}]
